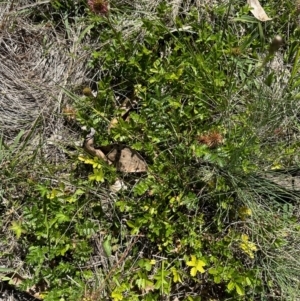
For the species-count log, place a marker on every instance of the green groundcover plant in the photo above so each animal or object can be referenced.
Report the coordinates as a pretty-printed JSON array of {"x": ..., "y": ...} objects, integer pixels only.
[{"x": 210, "y": 115}]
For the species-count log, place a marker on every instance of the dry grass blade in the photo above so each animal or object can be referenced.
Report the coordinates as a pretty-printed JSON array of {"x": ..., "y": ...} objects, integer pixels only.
[
  {"x": 258, "y": 11},
  {"x": 35, "y": 62}
]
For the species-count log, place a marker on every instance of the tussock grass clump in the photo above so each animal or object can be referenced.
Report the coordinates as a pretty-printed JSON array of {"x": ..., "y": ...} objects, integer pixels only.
[{"x": 36, "y": 62}]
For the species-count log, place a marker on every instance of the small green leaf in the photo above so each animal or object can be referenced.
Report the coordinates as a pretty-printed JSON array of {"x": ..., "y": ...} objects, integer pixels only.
[
  {"x": 213, "y": 271},
  {"x": 141, "y": 188},
  {"x": 61, "y": 217},
  {"x": 107, "y": 246},
  {"x": 79, "y": 192},
  {"x": 248, "y": 281},
  {"x": 176, "y": 275},
  {"x": 145, "y": 263},
  {"x": 239, "y": 289},
  {"x": 231, "y": 285},
  {"x": 130, "y": 224},
  {"x": 146, "y": 51},
  {"x": 135, "y": 228},
  {"x": 71, "y": 199}
]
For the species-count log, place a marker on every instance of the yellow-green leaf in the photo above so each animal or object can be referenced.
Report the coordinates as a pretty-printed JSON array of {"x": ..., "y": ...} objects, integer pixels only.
[
  {"x": 97, "y": 175},
  {"x": 239, "y": 289},
  {"x": 248, "y": 281},
  {"x": 71, "y": 199},
  {"x": 247, "y": 246},
  {"x": 230, "y": 285},
  {"x": 95, "y": 162},
  {"x": 176, "y": 276},
  {"x": 200, "y": 265},
  {"x": 193, "y": 261},
  {"x": 16, "y": 227},
  {"x": 86, "y": 160},
  {"x": 53, "y": 194},
  {"x": 116, "y": 296},
  {"x": 107, "y": 246},
  {"x": 196, "y": 264},
  {"x": 244, "y": 212},
  {"x": 193, "y": 272},
  {"x": 245, "y": 237}
]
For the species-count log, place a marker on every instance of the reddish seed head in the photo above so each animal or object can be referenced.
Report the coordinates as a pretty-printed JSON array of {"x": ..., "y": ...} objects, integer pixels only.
[
  {"x": 212, "y": 139},
  {"x": 100, "y": 7}
]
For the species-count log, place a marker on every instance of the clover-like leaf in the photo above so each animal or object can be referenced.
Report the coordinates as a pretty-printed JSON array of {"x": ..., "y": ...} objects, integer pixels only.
[
  {"x": 197, "y": 265},
  {"x": 97, "y": 175}
]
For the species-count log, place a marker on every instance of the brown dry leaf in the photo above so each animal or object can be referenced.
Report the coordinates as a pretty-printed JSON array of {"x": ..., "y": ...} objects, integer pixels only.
[
  {"x": 15, "y": 278},
  {"x": 123, "y": 157},
  {"x": 258, "y": 11},
  {"x": 126, "y": 159}
]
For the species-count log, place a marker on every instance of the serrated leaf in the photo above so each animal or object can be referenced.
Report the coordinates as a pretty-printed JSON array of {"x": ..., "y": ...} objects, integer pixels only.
[
  {"x": 61, "y": 217},
  {"x": 149, "y": 286},
  {"x": 146, "y": 263},
  {"x": 71, "y": 199},
  {"x": 140, "y": 188}
]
